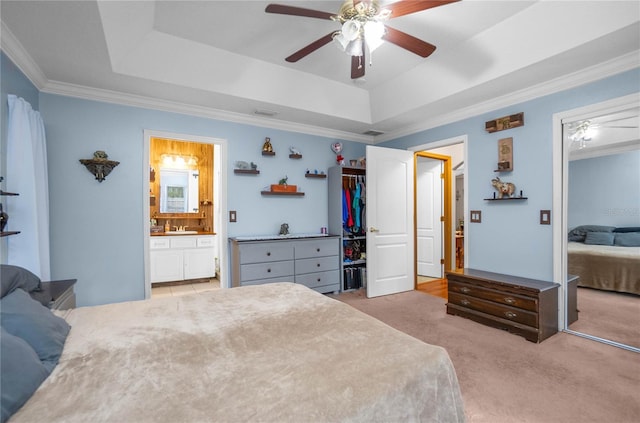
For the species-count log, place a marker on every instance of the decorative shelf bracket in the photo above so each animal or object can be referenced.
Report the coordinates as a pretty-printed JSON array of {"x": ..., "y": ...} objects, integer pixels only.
[{"x": 100, "y": 166}]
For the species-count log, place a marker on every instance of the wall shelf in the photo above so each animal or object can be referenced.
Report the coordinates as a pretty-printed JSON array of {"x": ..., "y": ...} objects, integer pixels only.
[
  {"x": 298, "y": 194},
  {"x": 315, "y": 175},
  {"x": 506, "y": 199},
  {"x": 8, "y": 193},
  {"x": 295, "y": 156},
  {"x": 246, "y": 171},
  {"x": 268, "y": 153},
  {"x": 2, "y": 234}
]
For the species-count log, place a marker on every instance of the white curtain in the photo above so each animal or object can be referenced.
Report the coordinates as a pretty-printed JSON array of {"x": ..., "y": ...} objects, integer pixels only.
[{"x": 27, "y": 176}]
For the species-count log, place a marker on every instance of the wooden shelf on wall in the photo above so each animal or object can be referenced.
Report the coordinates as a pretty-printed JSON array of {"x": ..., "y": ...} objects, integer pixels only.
[
  {"x": 506, "y": 199},
  {"x": 315, "y": 175},
  {"x": 268, "y": 153},
  {"x": 246, "y": 171},
  {"x": 295, "y": 156},
  {"x": 297, "y": 194},
  {"x": 2, "y": 234}
]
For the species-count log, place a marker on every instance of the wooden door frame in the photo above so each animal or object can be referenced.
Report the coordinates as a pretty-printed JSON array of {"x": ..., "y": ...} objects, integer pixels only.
[{"x": 446, "y": 194}]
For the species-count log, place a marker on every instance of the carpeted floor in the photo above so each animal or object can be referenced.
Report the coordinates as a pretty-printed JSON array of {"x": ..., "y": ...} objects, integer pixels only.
[
  {"x": 610, "y": 315},
  {"x": 505, "y": 378}
]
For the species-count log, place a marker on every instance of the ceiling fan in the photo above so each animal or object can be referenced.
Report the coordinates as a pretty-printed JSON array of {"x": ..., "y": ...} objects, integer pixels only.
[{"x": 362, "y": 24}]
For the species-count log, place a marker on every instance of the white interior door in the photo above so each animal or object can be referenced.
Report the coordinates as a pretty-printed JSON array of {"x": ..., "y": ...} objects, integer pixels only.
[
  {"x": 389, "y": 211},
  {"x": 428, "y": 217}
]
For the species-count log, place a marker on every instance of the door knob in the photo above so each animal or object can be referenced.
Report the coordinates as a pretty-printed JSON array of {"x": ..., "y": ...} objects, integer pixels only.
[{"x": 372, "y": 229}]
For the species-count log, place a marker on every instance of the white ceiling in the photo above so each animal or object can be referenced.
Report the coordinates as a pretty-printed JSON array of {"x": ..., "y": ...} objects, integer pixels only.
[{"x": 226, "y": 59}]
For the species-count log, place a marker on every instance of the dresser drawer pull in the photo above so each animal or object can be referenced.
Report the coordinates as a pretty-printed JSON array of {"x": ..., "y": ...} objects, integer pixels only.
[
  {"x": 318, "y": 250},
  {"x": 510, "y": 314},
  {"x": 318, "y": 279},
  {"x": 268, "y": 253},
  {"x": 509, "y": 300},
  {"x": 465, "y": 302},
  {"x": 268, "y": 270},
  {"x": 318, "y": 265},
  {"x": 465, "y": 289}
]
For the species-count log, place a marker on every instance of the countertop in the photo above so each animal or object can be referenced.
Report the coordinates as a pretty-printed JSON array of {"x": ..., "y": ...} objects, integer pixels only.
[{"x": 180, "y": 234}]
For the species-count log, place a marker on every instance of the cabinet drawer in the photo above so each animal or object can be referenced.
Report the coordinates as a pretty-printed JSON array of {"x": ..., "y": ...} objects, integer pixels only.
[
  {"x": 505, "y": 312},
  {"x": 319, "y": 264},
  {"x": 205, "y": 241},
  {"x": 158, "y": 243},
  {"x": 316, "y": 248},
  {"x": 183, "y": 242},
  {"x": 263, "y": 281},
  {"x": 518, "y": 301},
  {"x": 314, "y": 280},
  {"x": 257, "y": 271},
  {"x": 266, "y": 252}
]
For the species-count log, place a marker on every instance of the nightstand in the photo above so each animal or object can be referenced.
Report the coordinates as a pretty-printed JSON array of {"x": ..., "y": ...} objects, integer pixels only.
[{"x": 57, "y": 295}]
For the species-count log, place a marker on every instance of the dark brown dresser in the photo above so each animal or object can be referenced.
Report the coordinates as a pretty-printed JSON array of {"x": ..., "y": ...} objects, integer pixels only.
[{"x": 526, "y": 307}]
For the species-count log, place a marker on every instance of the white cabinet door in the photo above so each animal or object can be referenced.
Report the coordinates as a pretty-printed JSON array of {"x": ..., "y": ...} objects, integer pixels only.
[
  {"x": 199, "y": 263},
  {"x": 166, "y": 265}
]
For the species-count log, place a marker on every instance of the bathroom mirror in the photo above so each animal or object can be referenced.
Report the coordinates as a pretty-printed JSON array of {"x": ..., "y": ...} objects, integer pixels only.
[{"x": 179, "y": 191}]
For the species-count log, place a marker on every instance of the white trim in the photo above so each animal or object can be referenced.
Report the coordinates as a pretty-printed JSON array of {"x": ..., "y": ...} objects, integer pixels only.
[
  {"x": 221, "y": 231},
  {"x": 566, "y": 82},
  {"x": 444, "y": 143},
  {"x": 560, "y": 187}
]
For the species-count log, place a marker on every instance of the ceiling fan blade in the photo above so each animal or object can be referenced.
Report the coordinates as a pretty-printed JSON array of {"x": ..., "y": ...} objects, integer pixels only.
[
  {"x": 304, "y": 51},
  {"x": 408, "y": 42},
  {"x": 402, "y": 8},
  {"x": 357, "y": 66},
  {"x": 297, "y": 11}
]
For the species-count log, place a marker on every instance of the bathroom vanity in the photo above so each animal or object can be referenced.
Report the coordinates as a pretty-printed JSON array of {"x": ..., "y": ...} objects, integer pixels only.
[
  {"x": 182, "y": 257},
  {"x": 309, "y": 259}
]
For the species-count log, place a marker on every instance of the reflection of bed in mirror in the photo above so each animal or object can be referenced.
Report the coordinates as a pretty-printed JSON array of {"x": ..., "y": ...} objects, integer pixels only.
[{"x": 605, "y": 259}]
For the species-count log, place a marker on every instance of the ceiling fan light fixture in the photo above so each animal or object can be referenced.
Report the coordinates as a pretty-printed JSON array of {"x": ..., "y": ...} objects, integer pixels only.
[{"x": 373, "y": 33}]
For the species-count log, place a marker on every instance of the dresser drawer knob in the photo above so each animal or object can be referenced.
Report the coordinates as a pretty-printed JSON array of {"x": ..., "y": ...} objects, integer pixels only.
[
  {"x": 465, "y": 302},
  {"x": 318, "y": 265},
  {"x": 318, "y": 250},
  {"x": 268, "y": 253},
  {"x": 510, "y": 314},
  {"x": 268, "y": 270},
  {"x": 465, "y": 289},
  {"x": 318, "y": 279},
  {"x": 509, "y": 300}
]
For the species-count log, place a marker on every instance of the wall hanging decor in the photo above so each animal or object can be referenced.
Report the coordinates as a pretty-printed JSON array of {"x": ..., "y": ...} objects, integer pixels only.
[
  {"x": 505, "y": 122},
  {"x": 100, "y": 165},
  {"x": 267, "y": 148},
  {"x": 505, "y": 155}
]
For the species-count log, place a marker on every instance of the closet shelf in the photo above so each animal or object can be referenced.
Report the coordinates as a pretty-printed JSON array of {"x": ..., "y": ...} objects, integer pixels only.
[{"x": 315, "y": 175}]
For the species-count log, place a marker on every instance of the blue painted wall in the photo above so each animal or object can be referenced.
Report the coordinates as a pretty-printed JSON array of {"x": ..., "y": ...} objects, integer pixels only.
[
  {"x": 96, "y": 231},
  {"x": 593, "y": 200},
  {"x": 96, "y": 228},
  {"x": 510, "y": 239}
]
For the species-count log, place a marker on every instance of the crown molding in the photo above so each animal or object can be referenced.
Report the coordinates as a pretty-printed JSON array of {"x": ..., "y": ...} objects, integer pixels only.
[
  {"x": 591, "y": 74},
  {"x": 116, "y": 97},
  {"x": 19, "y": 56}
]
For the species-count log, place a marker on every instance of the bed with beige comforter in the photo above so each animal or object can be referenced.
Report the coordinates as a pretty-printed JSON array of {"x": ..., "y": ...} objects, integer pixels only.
[
  {"x": 272, "y": 353},
  {"x": 605, "y": 267}
]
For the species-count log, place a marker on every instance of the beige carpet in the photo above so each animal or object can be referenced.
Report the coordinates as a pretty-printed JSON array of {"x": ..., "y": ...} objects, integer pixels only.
[
  {"x": 505, "y": 378},
  {"x": 610, "y": 315}
]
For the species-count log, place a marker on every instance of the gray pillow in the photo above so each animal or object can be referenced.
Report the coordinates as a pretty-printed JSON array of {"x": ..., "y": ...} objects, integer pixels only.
[
  {"x": 627, "y": 239},
  {"x": 26, "y": 318},
  {"x": 628, "y": 229},
  {"x": 22, "y": 373},
  {"x": 13, "y": 277},
  {"x": 599, "y": 238}
]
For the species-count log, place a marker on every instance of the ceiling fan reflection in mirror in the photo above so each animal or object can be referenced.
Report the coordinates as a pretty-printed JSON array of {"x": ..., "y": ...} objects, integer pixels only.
[{"x": 363, "y": 25}]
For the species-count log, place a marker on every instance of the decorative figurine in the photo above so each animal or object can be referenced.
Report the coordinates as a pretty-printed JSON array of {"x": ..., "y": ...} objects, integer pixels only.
[
  {"x": 283, "y": 181},
  {"x": 284, "y": 229},
  {"x": 267, "y": 145},
  {"x": 242, "y": 165},
  {"x": 503, "y": 188},
  {"x": 4, "y": 218},
  {"x": 254, "y": 166},
  {"x": 294, "y": 150}
]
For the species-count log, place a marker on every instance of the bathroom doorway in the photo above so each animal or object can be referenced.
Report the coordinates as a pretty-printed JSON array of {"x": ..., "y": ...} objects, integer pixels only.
[{"x": 203, "y": 157}]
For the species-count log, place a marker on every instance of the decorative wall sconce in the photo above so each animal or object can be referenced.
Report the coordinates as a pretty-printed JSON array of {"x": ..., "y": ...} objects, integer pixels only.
[
  {"x": 505, "y": 122},
  {"x": 100, "y": 165}
]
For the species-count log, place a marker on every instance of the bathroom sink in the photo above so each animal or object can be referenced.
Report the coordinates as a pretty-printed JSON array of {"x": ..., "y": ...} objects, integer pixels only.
[{"x": 181, "y": 232}]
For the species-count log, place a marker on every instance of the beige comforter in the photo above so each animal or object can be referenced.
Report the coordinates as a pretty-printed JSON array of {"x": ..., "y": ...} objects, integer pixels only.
[
  {"x": 273, "y": 353},
  {"x": 611, "y": 268}
]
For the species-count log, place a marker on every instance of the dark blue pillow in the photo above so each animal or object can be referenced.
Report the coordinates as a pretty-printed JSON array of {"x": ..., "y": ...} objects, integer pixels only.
[
  {"x": 22, "y": 373},
  {"x": 599, "y": 238},
  {"x": 627, "y": 229},
  {"x": 26, "y": 318},
  {"x": 627, "y": 239},
  {"x": 13, "y": 277},
  {"x": 579, "y": 233}
]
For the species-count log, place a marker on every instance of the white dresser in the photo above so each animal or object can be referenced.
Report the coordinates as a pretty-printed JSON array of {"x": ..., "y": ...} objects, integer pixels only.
[
  {"x": 309, "y": 260},
  {"x": 181, "y": 257}
]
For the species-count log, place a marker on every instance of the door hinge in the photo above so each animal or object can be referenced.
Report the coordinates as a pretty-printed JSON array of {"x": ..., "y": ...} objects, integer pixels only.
[
  {"x": 442, "y": 176},
  {"x": 441, "y": 218},
  {"x": 441, "y": 261}
]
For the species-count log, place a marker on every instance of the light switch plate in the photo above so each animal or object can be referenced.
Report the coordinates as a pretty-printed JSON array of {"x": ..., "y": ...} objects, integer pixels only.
[
  {"x": 232, "y": 215},
  {"x": 545, "y": 217},
  {"x": 475, "y": 216}
]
